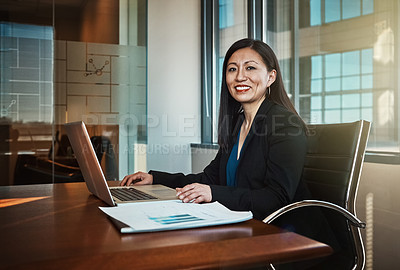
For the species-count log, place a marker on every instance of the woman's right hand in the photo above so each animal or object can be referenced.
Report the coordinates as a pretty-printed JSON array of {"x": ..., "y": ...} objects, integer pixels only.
[{"x": 138, "y": 178}]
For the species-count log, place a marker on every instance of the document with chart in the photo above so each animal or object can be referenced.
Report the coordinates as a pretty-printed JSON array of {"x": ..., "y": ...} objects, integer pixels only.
[{"x": 172, "y": 215}]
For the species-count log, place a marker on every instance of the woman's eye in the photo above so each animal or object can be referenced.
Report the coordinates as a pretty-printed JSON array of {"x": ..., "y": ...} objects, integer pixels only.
[
  {"x": 231, "y": 69},
  {"x": 250, "y": 68}
]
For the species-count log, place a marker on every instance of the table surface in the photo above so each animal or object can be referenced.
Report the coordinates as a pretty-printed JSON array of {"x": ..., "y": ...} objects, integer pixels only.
[{"x": 59, "y": 226}]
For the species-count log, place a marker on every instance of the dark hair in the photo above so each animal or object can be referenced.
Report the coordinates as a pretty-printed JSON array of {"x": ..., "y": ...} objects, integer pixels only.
[{"x": 229, "y": 107}]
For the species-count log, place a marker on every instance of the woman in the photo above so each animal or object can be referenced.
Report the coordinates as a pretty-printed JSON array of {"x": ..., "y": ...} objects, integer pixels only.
[{"x": 261, "y": 137}]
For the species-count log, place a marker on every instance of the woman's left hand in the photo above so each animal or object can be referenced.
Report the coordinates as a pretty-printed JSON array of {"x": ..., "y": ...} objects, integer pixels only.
[{"x": 196, "y": 193}]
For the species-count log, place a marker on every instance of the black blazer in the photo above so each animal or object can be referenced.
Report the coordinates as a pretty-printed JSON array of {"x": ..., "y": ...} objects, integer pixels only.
[{"x": 269, "y": 171}]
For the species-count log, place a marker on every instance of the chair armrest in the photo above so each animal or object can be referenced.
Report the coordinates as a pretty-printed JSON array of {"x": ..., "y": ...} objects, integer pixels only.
[{"x": 352, "y": 218}]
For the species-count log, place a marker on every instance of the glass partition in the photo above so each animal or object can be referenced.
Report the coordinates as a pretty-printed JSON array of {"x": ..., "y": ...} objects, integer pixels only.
[{"x": 66, "y": 61}]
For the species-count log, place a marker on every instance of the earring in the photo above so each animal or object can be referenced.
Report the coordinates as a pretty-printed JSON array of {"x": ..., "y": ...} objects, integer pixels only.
[
  {"x": 240, "y": 109},
  {"x": 269, "y": 91}
]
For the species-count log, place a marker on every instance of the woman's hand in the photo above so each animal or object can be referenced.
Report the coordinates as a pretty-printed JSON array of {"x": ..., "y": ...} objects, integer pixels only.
[
  {"x": 138, "y": 178},
  {"x": 195, "y": 193}
]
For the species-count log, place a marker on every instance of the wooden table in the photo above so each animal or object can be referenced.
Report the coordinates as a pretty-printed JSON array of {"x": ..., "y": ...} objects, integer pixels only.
[{"x": 59, "y": 226}]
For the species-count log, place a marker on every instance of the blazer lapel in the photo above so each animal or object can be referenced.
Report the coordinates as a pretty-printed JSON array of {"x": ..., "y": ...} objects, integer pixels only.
[
  {"x": 255, "y": 126},
  {"x": 259, "y": 119}
]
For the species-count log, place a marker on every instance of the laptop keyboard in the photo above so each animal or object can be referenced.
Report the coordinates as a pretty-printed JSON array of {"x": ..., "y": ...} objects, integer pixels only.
[{"x": 130, "y": 194}]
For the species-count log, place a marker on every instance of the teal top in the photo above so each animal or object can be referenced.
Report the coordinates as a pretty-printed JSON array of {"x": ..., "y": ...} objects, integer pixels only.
[{"x": 232, "y": 164}]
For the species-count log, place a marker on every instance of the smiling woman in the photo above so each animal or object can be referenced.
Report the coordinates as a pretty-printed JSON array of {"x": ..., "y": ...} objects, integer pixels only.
[
  {"x": 255, "y": 63},
  {"x": 262, "y": 140},
  {"x": 248, "y": 79}
]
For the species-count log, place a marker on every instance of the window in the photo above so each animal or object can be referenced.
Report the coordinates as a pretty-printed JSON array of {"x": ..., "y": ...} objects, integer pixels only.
[
  {"x": 226, "y": 14},
  {"x": 315, "y": 12},
  {"x": 337, "y": 87},
  {"x": 236, "y": 10},
  {"x": 328, "y": 11},
  {"x": 232, "y": 25},
  {"x": 341, "y": 73}
]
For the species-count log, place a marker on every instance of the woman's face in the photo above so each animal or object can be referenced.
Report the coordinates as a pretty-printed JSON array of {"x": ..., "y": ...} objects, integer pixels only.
[{"x": 247, "y": 76}]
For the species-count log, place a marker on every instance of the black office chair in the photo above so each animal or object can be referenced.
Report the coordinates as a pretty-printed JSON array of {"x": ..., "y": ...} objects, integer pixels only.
[
  {"x": 31, "y": 169},
  {"x": 332, "y": 171},
  {"x": 103, "y": 147}
]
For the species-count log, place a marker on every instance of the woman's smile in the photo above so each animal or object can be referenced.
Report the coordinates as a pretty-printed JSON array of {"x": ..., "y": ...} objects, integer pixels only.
[{"x": 242, "y": 88}]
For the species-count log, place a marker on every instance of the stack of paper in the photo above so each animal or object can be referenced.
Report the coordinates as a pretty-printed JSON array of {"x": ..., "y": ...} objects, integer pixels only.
[{"x": 172, "y": 215}]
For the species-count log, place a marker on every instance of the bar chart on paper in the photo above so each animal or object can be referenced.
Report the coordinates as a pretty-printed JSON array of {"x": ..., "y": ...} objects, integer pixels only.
[
  {"x": 175, "y": 219},
  {"x": 172, "y": 215}
]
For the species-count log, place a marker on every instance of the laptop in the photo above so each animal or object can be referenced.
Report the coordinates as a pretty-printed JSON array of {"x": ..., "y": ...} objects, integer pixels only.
[{"x": 94, "y": 177}]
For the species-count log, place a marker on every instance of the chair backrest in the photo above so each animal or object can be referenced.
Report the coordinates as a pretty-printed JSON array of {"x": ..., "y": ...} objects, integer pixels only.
[
  {"x": 334, "y": 161},
  {"x": 332, "y": 171},
  {"x": 103, "y": 147}
]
